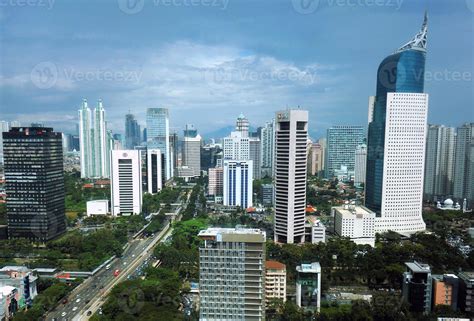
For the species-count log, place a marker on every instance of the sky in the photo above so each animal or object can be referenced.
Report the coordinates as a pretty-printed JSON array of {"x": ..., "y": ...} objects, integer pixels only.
[{"x": 210, "y": 60}]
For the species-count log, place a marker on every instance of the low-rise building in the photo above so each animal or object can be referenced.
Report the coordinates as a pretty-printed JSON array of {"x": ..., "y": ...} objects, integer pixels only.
[
  {"x": 275, "y": 281},
  {"x": 97, "y": 207},
  {"x": 315, "y": 231},
  {"x": 445, "y": 290},
  {"x": 417, "y": 286},
  {"x": 356, "y": 222},
  {"x": 9, "y": 297},
  {"x": 466, "y": 292},
  {"x": 21, "y": 278},
  {"x": 308, "y": 286}
]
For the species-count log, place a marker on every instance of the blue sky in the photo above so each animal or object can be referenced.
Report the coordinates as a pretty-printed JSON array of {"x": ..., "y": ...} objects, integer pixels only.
[{"x": 209, "y": 60}]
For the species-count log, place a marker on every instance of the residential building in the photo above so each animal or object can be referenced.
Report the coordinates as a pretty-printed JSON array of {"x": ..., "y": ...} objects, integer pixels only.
[
  {"x": 360, "y": 165},
  {"x": 216, "y": 181},
  {"x": 255, "y": 156},
  {"x": 417, "y": 286},
  {"x": 238, "y": 189},
  {"x": 275, "y": 281},
  {"x": 97, "y": 207},
  {"x": 439, "y": 163},
  {"x": 308, "y": 286},
  {"x": 229, "y": 289},
  {"x": 267, "y": 141},
  {"x": 342, "y": 142},
  {"x": 158, "y": 136},
  {"x": 267, "y": 194},
  {"x": 355, "y": 222},
  {"x": 291, "y": 133},
  {"x": 155, "y": 170},
  {"x": 315, "y": 159},
  {"x": 466, "y": 291},
  {"x": 191, "y": 153},
  {"x": 34, "y": 183},
  {"x": 315, "y": 231},
  {"x": 126, "y": 189},
  {"x": 397, "y": 140},
  {"x": 445, "y": 290},
  {"x": 86, "y": 141},
  {"x": 464, "y": 164},
  {"x": 132, "y": 132}
]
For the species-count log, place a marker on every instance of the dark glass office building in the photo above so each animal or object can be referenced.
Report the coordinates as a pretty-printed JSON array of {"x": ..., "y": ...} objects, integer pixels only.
[
  {"x": 401, "y": 72},
  {"x": 34, "y": 183}
]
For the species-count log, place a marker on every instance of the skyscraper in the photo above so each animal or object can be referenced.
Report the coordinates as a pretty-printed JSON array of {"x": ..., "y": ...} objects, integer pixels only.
[
  {"x": 291, "y": 133},
  {"x": 232, "y": 274},
  {"x": 236, "y": 146},
  {"x": 267, "y": 141},
  {"x": 242, "y": 125},
  {"x": 255, "y": 156},
  {"x": 126, "y": 182},
  {"x": 158, "y": 135},
  {"x": 238, "y": 189},
  {"x": 94, "y": 141},
  {"x": 315, "y": 159},
  {"x": 342, "y": 142},
  {"x": 360, "y": 164},
  {"x": 154, "y": 171},
  {"x": 439, "y": 164},
  {"x": 4, "y": 127},
  {"x": 34, "y": 183},
  {"x": 396, "y": 140},
  {"x": 464, "y": 163},
  {"x": 132, "y": 132},
  {"x": 191, "y": 154}
]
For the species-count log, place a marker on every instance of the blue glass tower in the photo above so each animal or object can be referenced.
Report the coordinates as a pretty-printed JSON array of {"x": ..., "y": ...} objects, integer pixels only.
[{"x": 401, "y": 72}]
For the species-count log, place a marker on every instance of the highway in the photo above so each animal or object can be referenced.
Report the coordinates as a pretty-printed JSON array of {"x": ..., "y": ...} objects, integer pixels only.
[{"x": 88, "y": 297}]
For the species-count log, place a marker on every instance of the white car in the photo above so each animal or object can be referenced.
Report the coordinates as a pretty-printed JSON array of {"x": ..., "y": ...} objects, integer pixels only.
[
  {"x": 63, "y": 314},
  {"x": 74, "y": 309},
  {"x": 78, "y": 300}
]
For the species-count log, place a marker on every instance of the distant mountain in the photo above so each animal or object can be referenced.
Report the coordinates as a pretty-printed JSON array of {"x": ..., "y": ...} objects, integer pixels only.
[{"x": 222, "y": 132}]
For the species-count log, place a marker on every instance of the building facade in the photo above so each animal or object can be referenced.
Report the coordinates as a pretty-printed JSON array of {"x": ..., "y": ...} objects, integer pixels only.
[
  {"x": 155, "y": 170},
  {"x": 417, "y": 286},
  {"x": 238, "y": 189},
  {"x": 191, "y": 153},
  {"x": 236, "y": 146},
  {"x": 267, "y": 141},
  {"x": 126, "y": 181},
  {"x": 132, "y": 132},
  {"x": 291, "y": 133},
  {"x": 34, "y": 183},
  {"x": 445, "y": 290},
  {"x": 360, "y": 165},
  {"x": 232, "y": 274},
  {"x": 355, "y": 222},
  {"x": 464, "y": 164},
  {"x": 255, "y": 156},
  {"x": 466, "y": 292},
  {"x": 216, "y": 181},
  {"x": 308, "y": 286},
  {"x": 275, "y": 281},
  {"x": 158, "y": 136},
  {"x": 396, "y": 140},
  {"x": 315, "y": 159}
]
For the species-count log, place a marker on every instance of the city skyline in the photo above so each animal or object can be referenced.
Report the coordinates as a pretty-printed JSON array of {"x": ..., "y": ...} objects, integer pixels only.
[{"x": 194, "y": 87}]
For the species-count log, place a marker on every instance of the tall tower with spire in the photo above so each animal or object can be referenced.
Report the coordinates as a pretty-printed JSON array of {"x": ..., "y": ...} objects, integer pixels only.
[
  {"x": 242, "y": 125},
  {"x": 396, "y": 139}
]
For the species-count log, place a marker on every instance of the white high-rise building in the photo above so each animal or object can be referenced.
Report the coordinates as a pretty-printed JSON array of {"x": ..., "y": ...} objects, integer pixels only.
[
  {"x": 242, "y": 125},
  {"x": 464, "y": 164},
  {"x": 355, "y": 222},
  {"x": 404, "y": 163},
  {"x": 126, "y": 182},
  {"x": 236, "y": 146},
  {"x": 101, "y": 143},
  {"x": 85, "y": 140},
  {"x": 371, "y": 108},
  {"x": 158, "y": 135},
  {"x": 267, "y": 141},
  {"x": 291, "y": 133},
  {"x": 360, "y": 165},
  {"x": 191, "y": 153},
  {"x": 154, "y": 171},
  {"x": 4, "y": 127},
  {"x": 238, "y": 190}
]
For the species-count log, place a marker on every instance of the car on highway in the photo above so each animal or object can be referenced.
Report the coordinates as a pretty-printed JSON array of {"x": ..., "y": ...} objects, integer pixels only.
[
  {"x": 63, "y": 314},
  {"x": 107, "y": 267},
  {"x": 74, "y": 309},
  {"x": 78, "y": 300}
]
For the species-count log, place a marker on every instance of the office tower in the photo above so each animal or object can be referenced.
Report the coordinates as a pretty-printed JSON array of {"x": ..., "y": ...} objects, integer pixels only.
[
  {"x": 275, "y": 281},
  {"x": 308, "y": 286},
  {"x": 371, "y": 108},
  {"x": 417, "y": 286},
  {"x": 355, "y": 222},
  {"x": 464, "y": 164},
  {"x": 191, "y": 153},
  {"x": 255, "y": 156},
  {"x": 360, "y": 165},
  {"x": 236, "y": 146},
  {"x": 445, "y": 290},
  {"x": 396, "y": 140},
  {"x": 267, "y": 141},
  {"x": 94, "y": 141},
  {"x": 174, "y": 147},
  {"x": 230, "y": 289},
  {"x": 342, "y": 142},
  {"x": 154, "y": 171},
  {"x": 34, "y": 183},
  {"x": 291, "y": 133},
  {"x": 315, "y": 159},
  {"x": 4, "y": 127},
  {"x": 238, "y": 190},
  {"x": 158, "y": 136},
  {"x": 209, "y": 155},
  {"x": 144, "y": 135},
  {"x": 132, "y": 132},
  {"x": 242, "y": 125},
  {"x": 466, "y": 291},
  {"x": 267, "y": 194},
  {"x": 216, "y": 181},
  {"x": 439, "y": 163},
  {"x": 126, "y": 181}
]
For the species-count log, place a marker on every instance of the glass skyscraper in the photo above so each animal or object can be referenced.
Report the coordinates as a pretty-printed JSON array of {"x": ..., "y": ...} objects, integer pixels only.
[
  {"x": 132, "y": 132},
  {"x": 158, "y": 135},
  {"x": 396, "y": 139}
]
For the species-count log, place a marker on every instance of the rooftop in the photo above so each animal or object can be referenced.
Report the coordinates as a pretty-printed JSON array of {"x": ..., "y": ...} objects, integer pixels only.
[
  {"x": 417, "y": 267},
  {"x": 274, "y": 265},
  {"x": 314, "y": 267},
  {"x": 349, "y": 210},
  {"x": 233, "y": 235}
]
